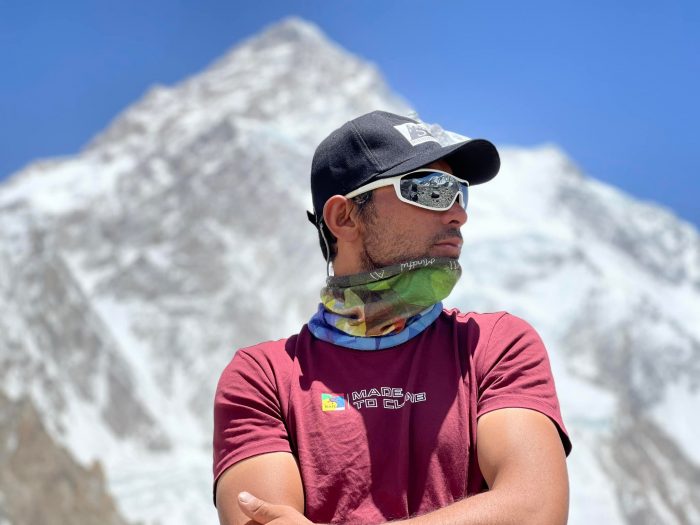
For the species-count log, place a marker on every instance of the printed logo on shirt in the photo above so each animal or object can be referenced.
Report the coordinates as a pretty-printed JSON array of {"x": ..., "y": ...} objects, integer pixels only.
[
  {"x": 415, "y": 133},
  {"x": 386, "y": 397},
  {"x": 332, "y": 402}
]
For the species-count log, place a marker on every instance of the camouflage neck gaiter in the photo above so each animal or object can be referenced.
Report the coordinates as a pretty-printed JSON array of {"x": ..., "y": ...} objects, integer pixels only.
[{"x": 382, "y": 301}]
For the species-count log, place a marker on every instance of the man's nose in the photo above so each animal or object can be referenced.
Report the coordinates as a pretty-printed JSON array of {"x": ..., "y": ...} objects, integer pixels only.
[{"x": 456, "y": 215}]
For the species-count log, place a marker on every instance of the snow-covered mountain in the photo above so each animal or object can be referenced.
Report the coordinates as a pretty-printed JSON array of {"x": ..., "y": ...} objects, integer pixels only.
[{"x": 131, "y": 272}]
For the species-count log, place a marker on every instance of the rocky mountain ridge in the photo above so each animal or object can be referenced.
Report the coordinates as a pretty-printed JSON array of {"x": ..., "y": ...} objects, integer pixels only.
[{"x": 41, "y": 482}]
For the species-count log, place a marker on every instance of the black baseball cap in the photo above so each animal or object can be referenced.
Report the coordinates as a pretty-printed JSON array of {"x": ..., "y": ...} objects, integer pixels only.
[{"x": 381, "y": 144}]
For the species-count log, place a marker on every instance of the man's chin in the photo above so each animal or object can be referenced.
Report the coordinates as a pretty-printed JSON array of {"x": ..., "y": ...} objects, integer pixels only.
[{"x": 446, "y": 250}]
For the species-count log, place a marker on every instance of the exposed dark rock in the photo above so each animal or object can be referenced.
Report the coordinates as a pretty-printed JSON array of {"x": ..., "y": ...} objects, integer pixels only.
[{"x": 40, "y": 482}]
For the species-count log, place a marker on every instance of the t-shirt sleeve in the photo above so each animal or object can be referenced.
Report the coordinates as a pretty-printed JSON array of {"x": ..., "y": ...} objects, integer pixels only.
[
  {"x": 247, "y": 413},
  {"x": 513, "y": 371}
]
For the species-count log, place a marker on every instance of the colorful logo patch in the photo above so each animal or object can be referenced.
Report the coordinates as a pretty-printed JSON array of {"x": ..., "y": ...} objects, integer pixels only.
[{"x": 332, "y": 402}]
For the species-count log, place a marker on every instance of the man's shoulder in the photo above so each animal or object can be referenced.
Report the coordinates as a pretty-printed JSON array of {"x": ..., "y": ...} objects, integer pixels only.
[
  {"x": 267, "y": 359},
  {"x": 488, "y": 322},
  {"x": 481, "y": 318},
  {"x": 272, "y": 352},
  {"x": 266, "y": 347}
]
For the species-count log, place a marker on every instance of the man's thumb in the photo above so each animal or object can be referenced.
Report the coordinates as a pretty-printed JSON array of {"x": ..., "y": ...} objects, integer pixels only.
[{"x": 255, "y": 508}]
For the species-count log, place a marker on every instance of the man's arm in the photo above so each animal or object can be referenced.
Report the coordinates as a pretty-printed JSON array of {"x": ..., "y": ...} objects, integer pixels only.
[
  {"x": 522, "y": 459},
  {"x": 274, "y": 477}
]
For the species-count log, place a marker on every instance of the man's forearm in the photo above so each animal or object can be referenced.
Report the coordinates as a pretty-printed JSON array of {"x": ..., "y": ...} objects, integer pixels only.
[{"x": 497, "y": 508}]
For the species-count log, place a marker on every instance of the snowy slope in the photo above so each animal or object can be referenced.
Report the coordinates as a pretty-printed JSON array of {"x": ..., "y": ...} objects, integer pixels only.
[{"x": 130, "y": 273}]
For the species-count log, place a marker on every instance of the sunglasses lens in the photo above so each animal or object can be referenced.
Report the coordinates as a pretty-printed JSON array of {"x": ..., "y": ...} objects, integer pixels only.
[{"x": 434, "y": 190}]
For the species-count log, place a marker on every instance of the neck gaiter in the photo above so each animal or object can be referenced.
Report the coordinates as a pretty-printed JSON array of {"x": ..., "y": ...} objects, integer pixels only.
[{"x": 385, "y": 301}]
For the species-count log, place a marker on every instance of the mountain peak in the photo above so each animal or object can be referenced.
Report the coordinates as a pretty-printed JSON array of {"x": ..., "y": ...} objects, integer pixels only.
[
  {"x": 290, "y": 76},
  {"x": 292, "y": 32},
  {"x": 292, "y": 29}
]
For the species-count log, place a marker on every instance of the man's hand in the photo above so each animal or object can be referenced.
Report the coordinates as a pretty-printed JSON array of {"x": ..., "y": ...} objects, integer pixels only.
[{"x": 263, "y": 512}]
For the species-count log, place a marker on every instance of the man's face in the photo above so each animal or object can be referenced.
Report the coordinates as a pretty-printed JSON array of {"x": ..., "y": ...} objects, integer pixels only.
[{"x": 395, "y": 231}]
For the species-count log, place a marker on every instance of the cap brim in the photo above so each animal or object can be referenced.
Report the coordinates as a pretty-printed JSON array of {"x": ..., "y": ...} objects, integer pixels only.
[{"x": 476, "y": 161}]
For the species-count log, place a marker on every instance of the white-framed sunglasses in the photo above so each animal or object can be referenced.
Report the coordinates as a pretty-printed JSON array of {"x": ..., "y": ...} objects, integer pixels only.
[{"x": 426, "y": 188}]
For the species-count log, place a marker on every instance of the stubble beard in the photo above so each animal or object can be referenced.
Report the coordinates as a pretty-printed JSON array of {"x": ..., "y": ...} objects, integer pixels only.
[{"x": 380, "y": 252}]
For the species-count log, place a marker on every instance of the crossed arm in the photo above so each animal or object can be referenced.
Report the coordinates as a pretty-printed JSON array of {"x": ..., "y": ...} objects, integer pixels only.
[{"x": 520, "y": 455}]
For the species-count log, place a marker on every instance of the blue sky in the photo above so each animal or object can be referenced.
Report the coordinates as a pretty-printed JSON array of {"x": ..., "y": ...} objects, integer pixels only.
[{"x": 614, "y": 84}]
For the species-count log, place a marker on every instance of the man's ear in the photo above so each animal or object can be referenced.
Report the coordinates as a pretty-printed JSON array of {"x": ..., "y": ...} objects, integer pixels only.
[{"x": 340, "y": 216}]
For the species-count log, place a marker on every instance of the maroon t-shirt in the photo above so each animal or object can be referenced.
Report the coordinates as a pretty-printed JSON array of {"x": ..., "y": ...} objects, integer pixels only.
[{"x": 387, "y": 434}]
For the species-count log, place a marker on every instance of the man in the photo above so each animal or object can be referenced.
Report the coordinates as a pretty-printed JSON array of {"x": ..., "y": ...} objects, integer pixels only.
[{"x": 385, "y": 406}]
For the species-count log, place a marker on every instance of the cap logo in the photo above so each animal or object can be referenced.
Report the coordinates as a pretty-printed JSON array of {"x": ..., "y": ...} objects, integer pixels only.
[{"x": 415, "y": 133}]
